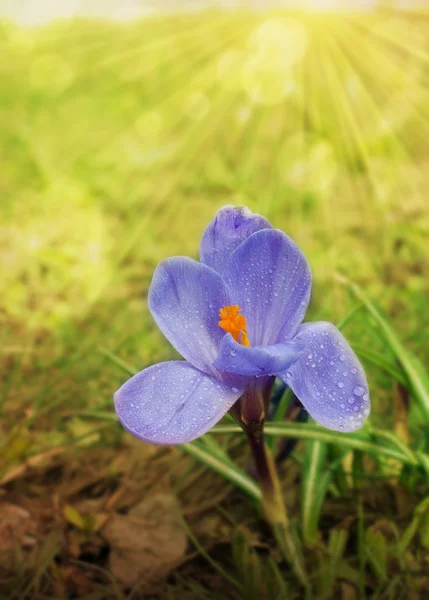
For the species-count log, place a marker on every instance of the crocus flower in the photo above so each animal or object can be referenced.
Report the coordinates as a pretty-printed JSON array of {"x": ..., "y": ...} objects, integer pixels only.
[{"x": 236, "y": 318}]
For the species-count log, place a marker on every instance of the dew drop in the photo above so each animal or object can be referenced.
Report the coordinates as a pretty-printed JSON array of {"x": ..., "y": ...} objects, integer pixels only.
[
  {"x": 233, "y": 352},
  {"x": 366, "y": 397},
  {"x": 342, "y": 358},
  {"x": 359, "y": 390},
  {"x": 354, "y": 371},
  {"x": 340, "y": 384},
  {"x": 235, "y": 390},
  {"x": 331, "y": 362}
]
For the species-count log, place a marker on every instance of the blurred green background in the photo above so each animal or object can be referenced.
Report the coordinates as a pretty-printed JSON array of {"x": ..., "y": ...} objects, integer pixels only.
[{"x": 119, "y": 139}]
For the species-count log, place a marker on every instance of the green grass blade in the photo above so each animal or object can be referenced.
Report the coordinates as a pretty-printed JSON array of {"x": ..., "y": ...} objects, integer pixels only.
[
  {"x": 354, "y": 441},
  {"x": 381, "y": 362},
  {"x": 418, "y": 378},
  {"x": 280, "y": 412},
  {"x": 228, "y": 471},
  {"x": 118, "y": 361},
  {"x": 315, "y": 485}
]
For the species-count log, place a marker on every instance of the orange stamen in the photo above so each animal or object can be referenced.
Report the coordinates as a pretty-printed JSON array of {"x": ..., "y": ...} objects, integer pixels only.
[{"x": 234, "y": 323}]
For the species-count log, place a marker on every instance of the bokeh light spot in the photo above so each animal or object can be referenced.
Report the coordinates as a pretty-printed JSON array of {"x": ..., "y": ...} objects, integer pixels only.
[
  {"x": 229, "y": 69},
  {"x": 197, "y": 105},
  {"x": 279, "y": 43},
  {"x": 51, "y": 73},
  {"x": 265, "y": 86},
  {"x": 307, "y": 163}
]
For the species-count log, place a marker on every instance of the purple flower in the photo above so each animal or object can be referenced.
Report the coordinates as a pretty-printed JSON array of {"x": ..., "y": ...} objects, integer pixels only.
[{"x": 236, "y": 319}]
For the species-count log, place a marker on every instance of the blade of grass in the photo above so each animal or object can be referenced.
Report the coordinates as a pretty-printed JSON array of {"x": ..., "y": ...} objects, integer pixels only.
[
  {"x": 209, "y": 559},
  {"x": 354, "y": 441},
  {"x": 228, "y": 471},
  {"x": 381, "y": 362},
  {"x": 416, "y": 374},
  {"x": 315, "y": 485},
  {"x": 118, "y": 361}
]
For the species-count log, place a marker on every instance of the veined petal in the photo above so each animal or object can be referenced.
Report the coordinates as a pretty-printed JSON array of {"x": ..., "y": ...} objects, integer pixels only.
[
  {"x": 172, "y": 403},
  {"x": 270, "y": 279},
  {"x": 328, "y": 378},
  {"x": 257, "y": 360},
  {"x": 229, "y": 228},
  {"x": 184, "y": 299}
]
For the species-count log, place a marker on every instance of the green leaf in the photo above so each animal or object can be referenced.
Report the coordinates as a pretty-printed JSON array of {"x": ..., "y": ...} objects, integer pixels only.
[
  {"x": 74, "y": 517},
  {"x": 376, "y": 553},
  {"x": 415, "y": 526},
  {"x": 329, "y": 567},
  {"x": 424, "y": 530},
  {"x": 277, "y": 587}
]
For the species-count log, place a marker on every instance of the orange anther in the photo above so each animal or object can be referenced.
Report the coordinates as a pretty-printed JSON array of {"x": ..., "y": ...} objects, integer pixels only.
[{"x": 234, "y": 323}]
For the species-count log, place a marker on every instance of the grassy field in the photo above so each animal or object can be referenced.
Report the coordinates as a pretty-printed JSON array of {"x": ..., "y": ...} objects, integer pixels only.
[{"x": 117, "y": 144}]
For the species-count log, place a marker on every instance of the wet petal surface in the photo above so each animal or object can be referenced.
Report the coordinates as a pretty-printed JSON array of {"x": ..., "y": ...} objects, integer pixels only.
[
  {"x": 257, "y": 360},
  {"x": 328, "y": 378},
  {"x": 172, "y": 403},
  {"x": 270, "y": 279},
  {"x": 184, "y": 299},
  {"x": 229, "y": 228}
]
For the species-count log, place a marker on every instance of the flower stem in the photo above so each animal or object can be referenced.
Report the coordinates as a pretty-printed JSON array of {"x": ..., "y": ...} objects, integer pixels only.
[{"x": 273, "y": 506}]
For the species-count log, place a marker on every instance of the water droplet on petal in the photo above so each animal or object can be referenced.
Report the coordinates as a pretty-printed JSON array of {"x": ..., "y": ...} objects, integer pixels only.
[
  {"x": 235, "y": 390},
  {"x": 340, "y": 384},
  {"x": 342, "y": 357},
  {"x": 359, "y": 390}
]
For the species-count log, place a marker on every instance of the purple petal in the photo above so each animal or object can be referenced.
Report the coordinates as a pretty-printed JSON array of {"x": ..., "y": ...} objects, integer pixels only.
[
  {"x": 328, "y": 378},
  {"x": 184, "y": 299},
  {"x": 172, "y": 403},
  {"x": 258, "y": 360},
  {"x": 270, "y": 279},
  {"x": 229, "y": 228}
]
